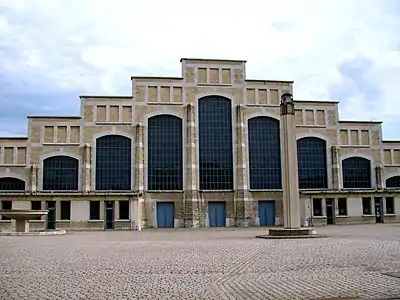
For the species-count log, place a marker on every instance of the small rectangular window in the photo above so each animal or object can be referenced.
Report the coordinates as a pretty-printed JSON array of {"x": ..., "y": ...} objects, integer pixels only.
[
  {"x": 6, "y": 205},
  {"x": 390, "y": 205},
  {"x": 65, "y": 210},
  {"x": 317, "y": 207},
  {"x": 94, "y": 210},
  {"x": 366, "y": 206},
  {"x": 342, "y": 206},
  {"x": 124, "y": 210},
  {"x": 36, "y": 205}
]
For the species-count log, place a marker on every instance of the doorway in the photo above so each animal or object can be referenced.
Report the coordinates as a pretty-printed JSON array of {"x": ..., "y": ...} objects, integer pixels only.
[
  {"x": 165, "y": 214},
  {"x": 330, "y": 211},
  {"x": 378, "y": 210},
  {"x": 109, "y": 212},
  {"x": 51, "y": 215},
  {"x": 217, "y": 214},
  {"x": 266, "y": 213}
]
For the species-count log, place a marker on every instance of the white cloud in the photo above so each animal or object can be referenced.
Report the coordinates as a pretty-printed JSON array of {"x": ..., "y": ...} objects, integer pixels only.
[{"x": 96, "y": 45}]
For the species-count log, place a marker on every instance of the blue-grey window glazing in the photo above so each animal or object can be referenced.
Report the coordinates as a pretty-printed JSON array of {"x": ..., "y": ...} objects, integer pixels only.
[
  {"x": 113, "y": 163},
  {"x": 165, "y": 153},
  {"x": 11, "y": 184},
  {"x": 393, "y": 182},
  {"x": 215, "y": 143},
  {"x": 356, "y": 173},
  {"x": 264, "y": 153},
  {"x": 312, "y": 166},
  {"x": 60, "y": 173}
]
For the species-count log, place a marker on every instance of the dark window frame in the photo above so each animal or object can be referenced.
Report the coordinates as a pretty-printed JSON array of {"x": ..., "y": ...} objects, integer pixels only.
[
  {"x": 392, "y": 209},
  {"x": 60, "y": 173},
  {"x": 9, "y": 183},
  {"x": 65, "y": 210},
  {"x": 165, "y": 153},
  {"x": 393, "y": 182},
  {"x": 366, "y": 206},
  {"x": 357, "y": 173},
  {"x": 317, "y": 207},
  {"x": 33, "y": 207},
  {"x": 113, "y": 163},
  {"x": 94, "y": 215},
  {"x": 312, "y": 163},
  {"x": 215, "y": 140},
  {"x": 264, "y": 150},
  {"x": 124, "y": 214},
  {"x": 342, "y": 206},
  {"x": 6, "y": 205}
]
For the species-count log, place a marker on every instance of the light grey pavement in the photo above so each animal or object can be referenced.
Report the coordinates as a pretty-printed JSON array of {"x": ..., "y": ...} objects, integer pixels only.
[{"x": 201, "y": 264}]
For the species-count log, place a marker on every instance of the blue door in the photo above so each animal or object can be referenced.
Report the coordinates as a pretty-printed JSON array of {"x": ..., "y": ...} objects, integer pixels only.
[
  {"x": 216, "y": 214},
  {"x": 266, "y": 212},
  {"x": 165, "y": 214}
]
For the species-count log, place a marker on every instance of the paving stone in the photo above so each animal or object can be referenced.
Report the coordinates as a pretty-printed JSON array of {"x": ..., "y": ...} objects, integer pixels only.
[{"x": 202, "y": 264}]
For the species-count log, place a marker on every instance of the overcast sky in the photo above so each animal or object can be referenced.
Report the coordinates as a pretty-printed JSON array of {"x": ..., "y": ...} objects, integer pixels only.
[{"x": 52, "y": 51}]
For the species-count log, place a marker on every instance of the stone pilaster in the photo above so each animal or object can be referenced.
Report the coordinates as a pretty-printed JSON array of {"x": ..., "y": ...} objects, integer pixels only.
[
  {"x": 139, "y": 178},
  {"x": 88, "y": 168},
  {"x": 34, "y": 178},
  {"x": 335, "y": 168},
  {"x": 378, "y": 177},
  {"x": 139, "y": 158},
  {"x": 192, "y": 211},
  {"x": 243, "y": 207}
]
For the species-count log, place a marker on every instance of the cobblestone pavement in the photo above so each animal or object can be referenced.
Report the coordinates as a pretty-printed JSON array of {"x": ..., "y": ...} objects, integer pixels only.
[{"x": 201, "y": 264}]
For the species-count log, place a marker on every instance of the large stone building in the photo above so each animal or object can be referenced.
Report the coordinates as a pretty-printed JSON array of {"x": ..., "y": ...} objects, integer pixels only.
[{"x": 198, "y": 150}]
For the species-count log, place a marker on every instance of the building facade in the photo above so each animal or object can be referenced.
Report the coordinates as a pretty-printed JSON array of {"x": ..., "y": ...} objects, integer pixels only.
[{"x": 197, "y": 151}]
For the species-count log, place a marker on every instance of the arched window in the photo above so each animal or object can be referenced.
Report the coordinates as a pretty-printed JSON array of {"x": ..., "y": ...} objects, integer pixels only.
[
  {"x": 113, "y": 163},
  {"x": 393, "y": 182},
  {"x": 215, "y": 143},
  {"x": 11, "y": 184},
  {"x": 356, "y": 173},
  {"x": 311, "y": 158},
  {"x": 60, "y": 173},
  {"x": 264, "y": 153},
  {"x": 165, "y": 153}
]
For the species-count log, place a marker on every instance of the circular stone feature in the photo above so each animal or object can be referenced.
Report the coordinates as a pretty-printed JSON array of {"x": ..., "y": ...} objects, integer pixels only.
[
  {"x": 291, "y": 233},
  {"x": 34, "y": 233},
  {"x": 23, "y": 214}
]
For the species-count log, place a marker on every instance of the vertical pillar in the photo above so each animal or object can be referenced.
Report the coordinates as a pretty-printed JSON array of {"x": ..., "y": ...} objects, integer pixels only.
[
  {"x": 34, "y": 178},
  {"x": 88, "y": 168},
  {"x": 102, "y": 210},
  {"x": 116, "y": 210},
  {"x": 378, "y": 177},
  {"x": 58, "y": 210},
  {"x": 191, "y": 203},
  {"x": 290, "y": 183},
  {"x": 335, "y": 167},
  {"x": 336, "y": 202},
  {"x": 323, "y": 207},
  {"x": 139, "y": 178},
  {"x": 243, "y": 207}
]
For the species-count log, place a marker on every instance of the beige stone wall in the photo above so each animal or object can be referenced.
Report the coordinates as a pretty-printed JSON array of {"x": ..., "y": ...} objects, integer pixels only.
[{"x": 178, "y": 96}]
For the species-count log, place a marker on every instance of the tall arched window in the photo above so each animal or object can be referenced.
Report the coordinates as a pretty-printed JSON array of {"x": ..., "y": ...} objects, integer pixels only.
[
  {"x": 165, "y": 153},
  {"x": 356, "y": 173},
  {"x": 264, "y": 153},
  {"x": 11, "y": 184},
  {"x": 215, "y": 143},
  {"x": 113, "y": 163},
  {"x": 60, "y": 173},
  {"x": 393, "y": 182},
  {"x": 311, "y": 157}
]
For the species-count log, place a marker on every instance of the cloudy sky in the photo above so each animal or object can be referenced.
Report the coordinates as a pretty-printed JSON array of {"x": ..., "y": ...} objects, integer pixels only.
[{"x": 52, "y": 51}]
